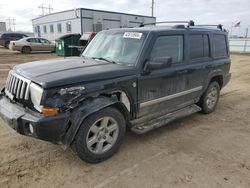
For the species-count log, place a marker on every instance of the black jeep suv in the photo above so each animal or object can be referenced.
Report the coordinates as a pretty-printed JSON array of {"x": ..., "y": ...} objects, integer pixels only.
[
  {"x": 5, "y": 38},
  {"x": 136, "y": 78}
]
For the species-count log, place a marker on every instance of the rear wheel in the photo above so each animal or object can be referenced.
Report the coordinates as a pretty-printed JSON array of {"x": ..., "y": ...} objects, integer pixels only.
[
  {"x": 26, "y": 50},
  {"x": 100, "y": 135},
  {"x": 210, "y": 98},
  {"x": 7, "y": 44}
]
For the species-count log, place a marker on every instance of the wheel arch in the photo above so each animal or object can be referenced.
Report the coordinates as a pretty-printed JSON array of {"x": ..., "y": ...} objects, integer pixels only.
[
  {"x": 215, "y": 75},
  {"x": 218, "y": 79},
  {"x": 88, "y": 107}
]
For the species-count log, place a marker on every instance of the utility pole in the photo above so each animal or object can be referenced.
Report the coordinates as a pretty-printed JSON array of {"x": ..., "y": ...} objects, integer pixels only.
[
  {"x": 46, "y": 9},
  {"x": 11, "y": 22},
  {"x": 152, "y": 7}
]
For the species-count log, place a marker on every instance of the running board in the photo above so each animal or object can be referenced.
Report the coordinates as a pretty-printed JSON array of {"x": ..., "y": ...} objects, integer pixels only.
[{"x": 165, "y": 119}]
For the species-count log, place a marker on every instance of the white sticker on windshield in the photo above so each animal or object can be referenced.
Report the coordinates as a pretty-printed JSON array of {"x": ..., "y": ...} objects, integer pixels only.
[{"x": 132, "y": 35}]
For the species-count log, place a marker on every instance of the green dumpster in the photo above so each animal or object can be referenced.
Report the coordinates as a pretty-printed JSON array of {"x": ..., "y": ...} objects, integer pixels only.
[{"x": 66, "y": 45}]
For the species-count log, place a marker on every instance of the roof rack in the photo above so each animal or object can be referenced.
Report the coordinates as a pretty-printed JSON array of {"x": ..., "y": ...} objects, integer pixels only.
[
  {"x": 219, "y": 26},
  {"x": 190, "y": 23}
]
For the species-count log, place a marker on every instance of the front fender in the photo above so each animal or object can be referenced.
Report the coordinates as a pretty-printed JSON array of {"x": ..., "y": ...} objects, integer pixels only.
[{"x": 78, "y": 115}]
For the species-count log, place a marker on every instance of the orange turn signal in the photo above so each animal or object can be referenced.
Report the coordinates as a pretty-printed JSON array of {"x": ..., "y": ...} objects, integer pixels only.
[{"x": 50, "y": 111}]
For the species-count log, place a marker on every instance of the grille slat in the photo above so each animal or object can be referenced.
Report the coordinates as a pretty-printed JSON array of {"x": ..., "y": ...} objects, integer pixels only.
[
  {"x": 11, "y": 81},
  {"x": 13, "y": 84},
  {"x": 17, "y": 87}
]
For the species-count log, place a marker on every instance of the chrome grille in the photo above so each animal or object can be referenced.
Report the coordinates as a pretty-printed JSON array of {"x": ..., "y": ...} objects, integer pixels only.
[{"x": 17, "y": 87}]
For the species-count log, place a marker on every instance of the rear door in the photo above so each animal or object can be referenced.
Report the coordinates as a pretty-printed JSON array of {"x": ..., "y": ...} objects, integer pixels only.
[
  {"x": 165, "y": 90},
  {"x": 35, "y": 44},
  {"x": 199, "y": 55}
]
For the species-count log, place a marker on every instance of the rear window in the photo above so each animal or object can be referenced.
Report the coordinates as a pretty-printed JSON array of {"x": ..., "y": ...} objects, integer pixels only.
[
  {"x": 220, "y": 45},
  {"x": 199, "y": 46}
]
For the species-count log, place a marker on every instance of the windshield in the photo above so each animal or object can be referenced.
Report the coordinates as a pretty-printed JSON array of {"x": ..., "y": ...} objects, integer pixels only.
[{"x": 116, "y": 47}]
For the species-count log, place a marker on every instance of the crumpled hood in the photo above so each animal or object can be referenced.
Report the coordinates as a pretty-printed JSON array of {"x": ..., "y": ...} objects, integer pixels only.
[{"x": 73, "y": 70}]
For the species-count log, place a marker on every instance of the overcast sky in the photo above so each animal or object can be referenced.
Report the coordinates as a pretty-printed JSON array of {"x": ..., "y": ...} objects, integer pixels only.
[{"x": 201, "y": 11}]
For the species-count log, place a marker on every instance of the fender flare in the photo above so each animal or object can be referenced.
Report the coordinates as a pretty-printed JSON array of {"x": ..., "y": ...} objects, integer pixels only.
[
  {"x": 79, "y": 114},
  {"x": 211, "y": 75}
]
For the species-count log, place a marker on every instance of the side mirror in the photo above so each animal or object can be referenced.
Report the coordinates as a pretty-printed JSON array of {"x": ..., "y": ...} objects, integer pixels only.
[{"x": 158, "y": 63}]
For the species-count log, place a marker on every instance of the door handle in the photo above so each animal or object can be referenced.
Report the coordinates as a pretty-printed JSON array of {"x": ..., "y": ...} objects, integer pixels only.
[
  {"x": 182, "y": 71},
  {"x": 209, "y": 66}
]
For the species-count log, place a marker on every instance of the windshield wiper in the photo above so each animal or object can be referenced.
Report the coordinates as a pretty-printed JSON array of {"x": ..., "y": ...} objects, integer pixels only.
[{"x": 104, "y": 59}]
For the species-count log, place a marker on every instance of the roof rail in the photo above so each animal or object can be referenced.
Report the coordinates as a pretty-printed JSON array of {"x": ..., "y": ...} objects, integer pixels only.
[
  {"x": 219, "y": 26},
  {"x": 190, "y": 23}
]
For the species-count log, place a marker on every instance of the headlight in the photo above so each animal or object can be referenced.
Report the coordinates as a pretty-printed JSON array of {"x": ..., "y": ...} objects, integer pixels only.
[{"x": 36, "y": 93}]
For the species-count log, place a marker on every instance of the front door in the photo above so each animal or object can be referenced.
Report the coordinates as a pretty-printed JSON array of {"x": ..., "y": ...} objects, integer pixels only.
[
  {"x": 47, "y": 45},
  {"x": 165, "y": 90}
]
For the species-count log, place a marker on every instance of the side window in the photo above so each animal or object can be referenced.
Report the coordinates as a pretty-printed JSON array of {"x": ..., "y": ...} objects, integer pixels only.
[
  {"x": 168, "y": 46},
  {"x": 33, "y": 40},
  {"x": 68, "y": 27},
  {"x": 199, "y": 46},
  {"x": 44, "y": 41},
  {"x": 220, "y": 45}
]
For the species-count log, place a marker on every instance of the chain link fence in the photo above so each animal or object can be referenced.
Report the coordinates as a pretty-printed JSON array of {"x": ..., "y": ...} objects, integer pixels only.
[{"x": 240, "y": 45}]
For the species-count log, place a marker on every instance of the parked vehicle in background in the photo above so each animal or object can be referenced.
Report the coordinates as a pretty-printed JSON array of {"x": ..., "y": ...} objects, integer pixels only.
[
  {"x": 130, "y": 78},
  {"x": 5, "y": 38},
  {"x": 31, "y": 44}
]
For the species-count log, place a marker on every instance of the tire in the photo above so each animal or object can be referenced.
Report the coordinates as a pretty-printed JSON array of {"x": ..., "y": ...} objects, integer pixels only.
[
  {"x": 210, "y": 98},
  {"x": 100, "y": 135},
  {"x": 26, "y": 50},
  {"x": 7, "y": 44}
]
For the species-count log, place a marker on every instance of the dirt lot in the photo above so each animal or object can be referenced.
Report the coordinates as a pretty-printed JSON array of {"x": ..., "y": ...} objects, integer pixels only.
[{"x": 198, "y": 151}]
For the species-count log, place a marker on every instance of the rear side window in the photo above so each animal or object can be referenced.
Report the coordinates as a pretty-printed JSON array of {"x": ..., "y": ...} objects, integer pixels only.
[
  {"x": 168, "y": 46},
  {"x": 33, "y": 40},
  {"x": 220, "y": 45},
  {"x": 199, "y": 46}
]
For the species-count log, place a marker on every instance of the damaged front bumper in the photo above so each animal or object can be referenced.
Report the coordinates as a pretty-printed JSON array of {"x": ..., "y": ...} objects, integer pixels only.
[{"x": 30, "y": 123}]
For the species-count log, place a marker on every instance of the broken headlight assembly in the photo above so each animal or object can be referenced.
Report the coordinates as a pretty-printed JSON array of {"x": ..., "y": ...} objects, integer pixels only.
[{"x": 36, "y": 93}]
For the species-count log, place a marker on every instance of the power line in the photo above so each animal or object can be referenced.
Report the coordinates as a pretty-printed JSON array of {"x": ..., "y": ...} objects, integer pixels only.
[
  {"x": 11, "y": 24},
  {"x": 46, "y": 9}
]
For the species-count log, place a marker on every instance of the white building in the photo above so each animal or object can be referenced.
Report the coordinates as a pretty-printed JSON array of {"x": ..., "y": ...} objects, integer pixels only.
[
  {"x": 2, "y": 27},
  {"x": 82, "y": 20}
]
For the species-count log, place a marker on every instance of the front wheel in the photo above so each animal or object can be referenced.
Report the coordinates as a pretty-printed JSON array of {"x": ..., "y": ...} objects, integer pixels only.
[
  {"x": 100, "y": 135},
  {"x": 210, "y": 98}
]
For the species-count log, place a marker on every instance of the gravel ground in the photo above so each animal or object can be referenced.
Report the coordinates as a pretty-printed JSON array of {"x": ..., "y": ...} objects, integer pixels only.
[{"x": 198, "y": 151}]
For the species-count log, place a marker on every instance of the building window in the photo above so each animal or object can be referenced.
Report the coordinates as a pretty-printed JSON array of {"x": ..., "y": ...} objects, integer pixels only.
[
  {"x": 51, "y": 28},
  {"x": 44, "y": 29},
  {"x": 68, "y": 27},
  {"x": 59, "y": 28},
  {"x": 168, "y": 46}
]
